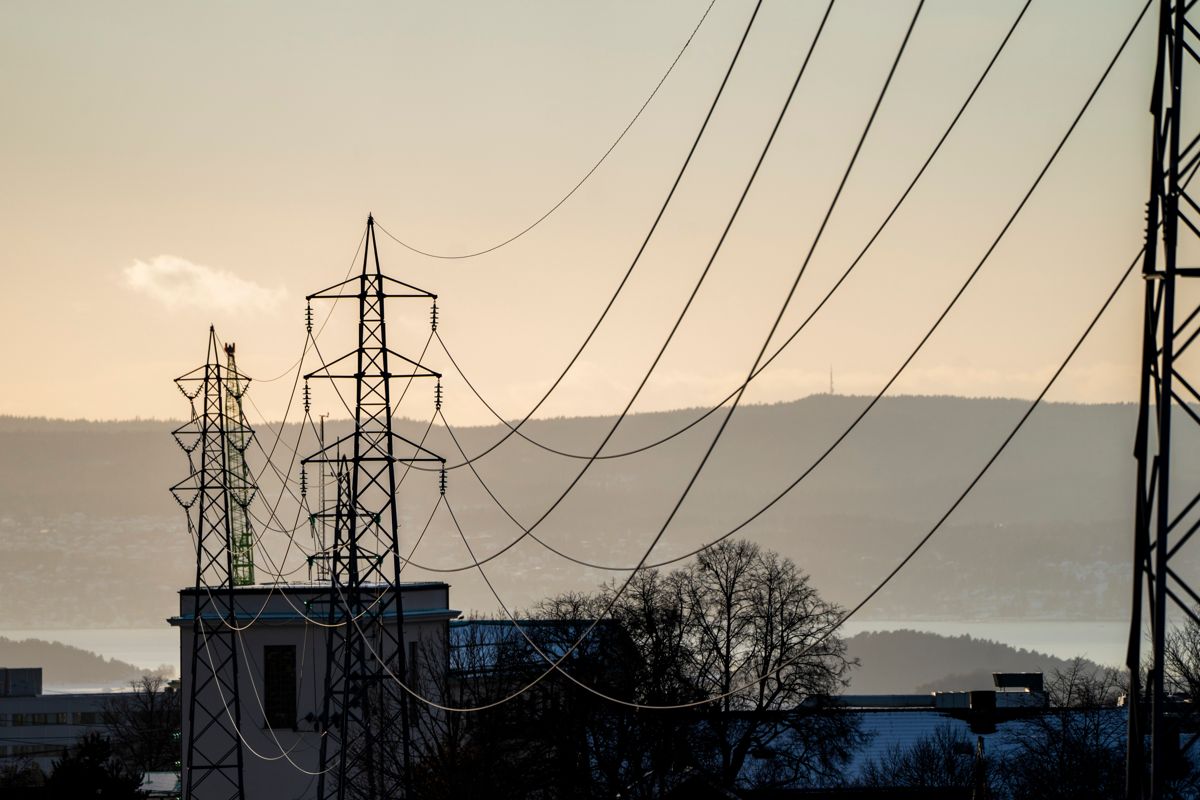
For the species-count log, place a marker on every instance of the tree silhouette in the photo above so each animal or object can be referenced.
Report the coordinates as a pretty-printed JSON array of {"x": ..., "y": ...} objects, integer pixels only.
[{"x": 90, "y": 770}]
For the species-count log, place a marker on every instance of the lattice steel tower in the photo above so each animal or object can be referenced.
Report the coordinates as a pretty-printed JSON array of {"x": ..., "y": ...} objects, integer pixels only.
[
  {"x": 1168, "y": 500},
  {"x": 365, "y": 749},
  {"x": 215, "y": 496}
]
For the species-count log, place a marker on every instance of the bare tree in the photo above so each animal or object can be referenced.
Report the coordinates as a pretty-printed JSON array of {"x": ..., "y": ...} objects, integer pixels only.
[
  {"x": 947, "y": 758},
  {"x": 759, "y": 637},
  {"x": 142, "y": 725},
  {"x": 488, "y": 753},
  {"x": 1181, "y": 660},
  {"x": 740, "y": 623},
  {"x": 1077, "y": 749}
]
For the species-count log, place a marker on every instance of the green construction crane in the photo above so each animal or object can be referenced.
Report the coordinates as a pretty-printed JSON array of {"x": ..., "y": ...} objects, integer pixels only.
[{"x": 241, "y": 484}]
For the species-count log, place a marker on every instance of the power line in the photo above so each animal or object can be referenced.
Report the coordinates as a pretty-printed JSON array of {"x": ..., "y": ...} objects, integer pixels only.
[
  {"x": 298, "y": 365},
  {"x": 853, "y": 264},
  {"x": 582, "y": 180},
  {"x": 762, "y": 351},
  {"x": 1037, "y": 401},
  {"x": 555, "y": 664},
  {"x": 703, "y": 275},
  {"x": 653, "y": 227},
  {"x": 280, "y": 574},
  {"x": 528, "y": 531}
]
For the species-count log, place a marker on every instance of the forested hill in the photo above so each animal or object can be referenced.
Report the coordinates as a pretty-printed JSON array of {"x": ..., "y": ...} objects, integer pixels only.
[
  {"x": 912, "y": 662},
  {"x": 1046, "y": 534},
  {"x": 63, "y": 664}
]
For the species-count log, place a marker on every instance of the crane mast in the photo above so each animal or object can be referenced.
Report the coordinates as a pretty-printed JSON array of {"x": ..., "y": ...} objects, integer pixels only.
[{"x": 242, "y": 487}]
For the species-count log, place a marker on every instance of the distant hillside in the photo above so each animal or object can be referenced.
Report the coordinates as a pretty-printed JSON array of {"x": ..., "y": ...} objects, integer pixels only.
[
  {"x": 84, "y": 507},
  {"x": 63, "y": 664},
  {"x": 904, "y": 662}
]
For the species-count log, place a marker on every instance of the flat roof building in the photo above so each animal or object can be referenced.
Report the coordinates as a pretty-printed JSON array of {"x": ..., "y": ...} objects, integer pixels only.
[
  {"x": 281, "y": 646},
  {"x": 39, "y": 728}
]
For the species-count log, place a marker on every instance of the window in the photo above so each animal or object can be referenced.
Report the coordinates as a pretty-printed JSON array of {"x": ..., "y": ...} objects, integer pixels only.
[
  {"x": 20, "y": 719},
  {"x": 87, "y": 717},
  {"x": 60, "y": 718},
  {"x": 279, "y": 679}
]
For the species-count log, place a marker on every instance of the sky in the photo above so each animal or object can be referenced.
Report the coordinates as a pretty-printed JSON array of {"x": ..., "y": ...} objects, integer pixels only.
[{"x": 171, "y": 166}]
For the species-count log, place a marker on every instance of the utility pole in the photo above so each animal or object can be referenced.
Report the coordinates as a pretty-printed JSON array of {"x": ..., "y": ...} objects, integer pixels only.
[
  {"x": 365, "y": 749},
  {"x": 1167, "y": 508},
  {"x": 215, "y": 495}
]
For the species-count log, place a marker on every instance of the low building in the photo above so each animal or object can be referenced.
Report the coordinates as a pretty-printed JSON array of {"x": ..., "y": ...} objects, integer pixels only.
[
  {"x": 281, "y": 645},
  {"x": 38, "y": 727}
]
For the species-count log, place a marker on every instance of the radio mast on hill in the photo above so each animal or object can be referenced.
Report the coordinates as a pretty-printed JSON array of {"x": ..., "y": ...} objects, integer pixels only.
[{"x": 365, "y": 749}]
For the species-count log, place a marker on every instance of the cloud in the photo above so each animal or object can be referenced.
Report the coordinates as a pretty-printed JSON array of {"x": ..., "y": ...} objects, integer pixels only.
[{"x": 178, "y": 283}]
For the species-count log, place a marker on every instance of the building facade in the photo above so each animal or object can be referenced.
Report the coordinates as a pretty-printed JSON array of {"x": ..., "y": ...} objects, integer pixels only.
[
  {"x": 281, "y": 646},
  {"x": 37, "y": 727}
]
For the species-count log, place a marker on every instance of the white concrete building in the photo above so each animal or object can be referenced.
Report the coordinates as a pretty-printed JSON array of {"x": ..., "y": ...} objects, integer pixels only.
[{"x": 282, "y": 673}]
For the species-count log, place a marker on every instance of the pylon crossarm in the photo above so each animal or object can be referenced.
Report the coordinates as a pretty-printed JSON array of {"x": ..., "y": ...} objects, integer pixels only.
[
  {"x": 331, "y": 293},
  {"x": 324, "y": 372},
  {"x": 323, "y": 455}
]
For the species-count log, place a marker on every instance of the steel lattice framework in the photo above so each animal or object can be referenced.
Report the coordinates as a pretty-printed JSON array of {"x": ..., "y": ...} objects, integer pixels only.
[
  {"x": 214, "y": 496},
  {"x": 241, "y": 483},
  {"x": 365, "y": 749},
  {"x": 1168, "y": 502}
]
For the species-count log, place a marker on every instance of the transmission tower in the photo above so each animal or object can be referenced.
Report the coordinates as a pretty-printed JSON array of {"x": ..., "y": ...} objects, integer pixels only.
[
  {"x": 1167, "y": 500},
  {"x": 215, "y": 496},
  {"x": 366, "y": 743}
]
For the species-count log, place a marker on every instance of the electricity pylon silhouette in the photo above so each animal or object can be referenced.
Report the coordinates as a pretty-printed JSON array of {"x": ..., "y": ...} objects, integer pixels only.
[
  {"x": 1168, "y": 500},
  {"x": 215, "y": 496},
  {"x": 365, "y": 749}
]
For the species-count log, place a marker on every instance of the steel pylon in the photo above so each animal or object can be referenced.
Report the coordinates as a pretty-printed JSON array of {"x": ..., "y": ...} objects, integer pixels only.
[
  {"x": 215, "y": 495},
  {"x": 1168, "y": 500},
  {"x": 365, "y": 751}
]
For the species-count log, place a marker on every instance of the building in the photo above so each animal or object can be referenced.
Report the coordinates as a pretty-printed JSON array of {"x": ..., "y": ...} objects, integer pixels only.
[
  {"x": 37, "y": 727},
  {"x": 281, "y": 673}
]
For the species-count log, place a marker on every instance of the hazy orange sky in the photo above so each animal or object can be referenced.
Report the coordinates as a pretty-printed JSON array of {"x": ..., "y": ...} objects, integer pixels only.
[{"x": 170, "y": 165}]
